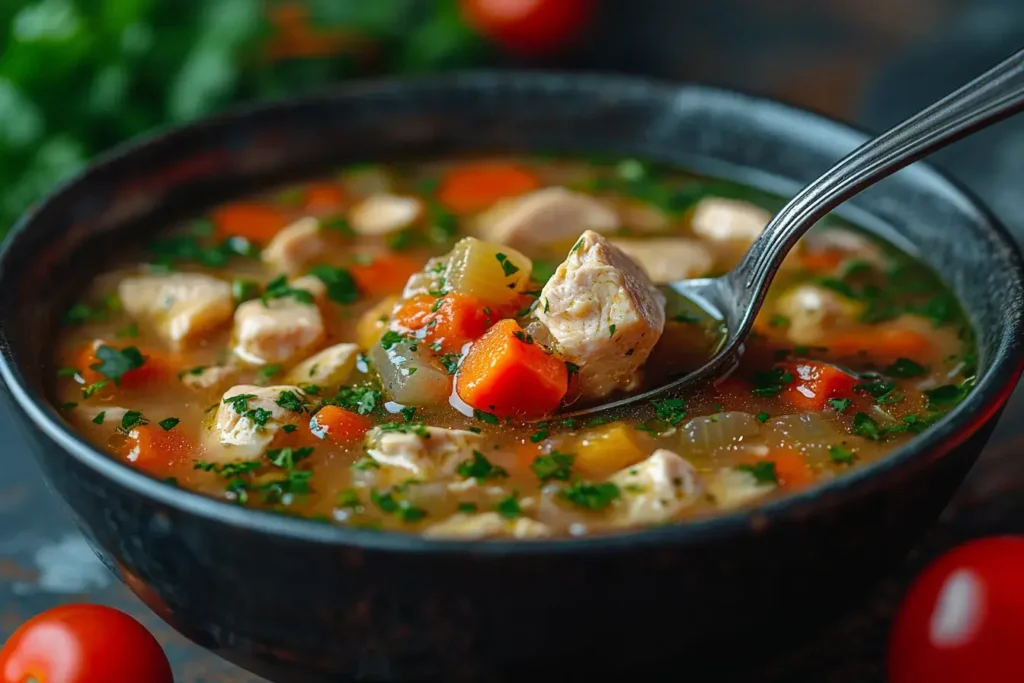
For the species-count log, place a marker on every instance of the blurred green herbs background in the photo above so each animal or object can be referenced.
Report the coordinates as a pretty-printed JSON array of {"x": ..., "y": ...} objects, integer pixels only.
[{"x": 77, "y": 76}]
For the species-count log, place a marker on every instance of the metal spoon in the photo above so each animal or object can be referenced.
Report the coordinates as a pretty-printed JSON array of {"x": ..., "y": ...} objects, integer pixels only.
[{"x": 737, "y": 296}]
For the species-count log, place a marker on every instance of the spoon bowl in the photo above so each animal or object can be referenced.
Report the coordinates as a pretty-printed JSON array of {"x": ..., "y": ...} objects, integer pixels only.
[{"x": 736, "y": 297}]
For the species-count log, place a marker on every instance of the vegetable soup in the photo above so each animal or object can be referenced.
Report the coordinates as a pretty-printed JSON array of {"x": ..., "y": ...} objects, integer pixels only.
[{"x": 392, "y": 346}]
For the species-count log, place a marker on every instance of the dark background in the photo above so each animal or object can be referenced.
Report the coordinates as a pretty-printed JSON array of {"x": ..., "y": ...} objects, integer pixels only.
[{"x": 77, "y": 76}]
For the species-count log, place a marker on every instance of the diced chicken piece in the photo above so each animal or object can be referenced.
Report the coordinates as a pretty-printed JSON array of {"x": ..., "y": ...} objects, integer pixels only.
[
  {"x": 657, "y": 488},
  {"x": 669, "y": 259},
  {"x": 381, "y": 214},
  {"x": 180, "y": 306},
  {"x": 331, "y": 367},
  {"x": 728, "y": 220},
  {"x": 430, "y": 454},
  {"x": 812, "y": 312},
  {"x": 644, "y": 217},
  {"x": 295, "y": 246},
  {"x": 277, "y": 331},
  {"x": 732, "y": 488},
  {"x": 546, "y": 216},
  {"x": 248, "y": 418},
  {"x": 605, "y": 314},
  {"x": 852, "y": 244},
  {"x": 486, "y": 525},
  {"x": 210, "y": 377}
]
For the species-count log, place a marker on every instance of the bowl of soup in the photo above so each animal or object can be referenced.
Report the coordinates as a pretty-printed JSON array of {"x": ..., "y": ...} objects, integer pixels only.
[{"x": 313, "y": 376}]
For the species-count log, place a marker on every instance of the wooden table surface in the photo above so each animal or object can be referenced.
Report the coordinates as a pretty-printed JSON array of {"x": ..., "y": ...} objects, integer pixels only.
[{"x": 44, "y": 562}]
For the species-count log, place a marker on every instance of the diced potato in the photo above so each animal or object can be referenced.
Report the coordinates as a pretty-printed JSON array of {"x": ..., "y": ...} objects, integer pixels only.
[
  {"x": 487, "y": 271},
  {"x": 607, "y": 449},
  {"x": 331, "y": 367},
  {"x": 372, "y": 324},
  {"x": 408, "y": 376}
]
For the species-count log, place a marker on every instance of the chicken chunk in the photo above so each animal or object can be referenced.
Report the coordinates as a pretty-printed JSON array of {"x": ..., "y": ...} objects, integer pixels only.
[
  {"x": 381, "y": 214},
  {"x": 728, "y": 220},
  {"x": 295, "y": 246},
  {"x": 604, "y": 313},
  {"x": 546, "y": 216},
  {"x": 331, "y": 367},
  {"x": 812, "y": 312},
  {"x": 669, "y": 259},
  {"x": 276, "y": 331},
  {"x": 179, "y": 306},
  {"x": 733, "y": 487},
  {"x": 852, "y": 244},
  {"x": 656, "y": 489},
  {"x": 486, "y": 525},
  {"x": 210, "y": 377},
  {"x": 248, "y": 418},
  {"x": 428, "y": 454}
]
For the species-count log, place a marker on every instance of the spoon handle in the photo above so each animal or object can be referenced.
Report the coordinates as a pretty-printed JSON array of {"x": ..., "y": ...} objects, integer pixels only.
[{"x": 991, "y": 97}]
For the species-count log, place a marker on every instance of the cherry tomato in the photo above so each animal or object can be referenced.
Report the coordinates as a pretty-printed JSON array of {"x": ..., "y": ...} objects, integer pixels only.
[
  {"x": 962, "y": 619},
  {"x": 83, "y": 644},
  {"x": 529, "y": 27}
]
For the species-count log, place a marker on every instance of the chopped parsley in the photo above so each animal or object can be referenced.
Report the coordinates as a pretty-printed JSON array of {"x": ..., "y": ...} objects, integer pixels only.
[
  {"x": 591, "y": 496},
  {"x": 509, "y": 507},
  {"x": 390, "y": 338},
  {"x": 572, "y": 368},
  {"x": 882, "y": 390},
  {"x": 408, "y": 413},
  {"x": 450, "y": 362},
  {"x": 70, "y": 405},
  {"x": 267, "y": 372},
  {"x": 507, "y": 266},
  {"x": 129, "y": 332},
  {"x": 840, "y": 404},
  {"x": 762, "y": 471},
  {"x": 290, "y": 401},
  {"x": 778, "y": 321},
  {"x": 467, "y": 508},
  {"x": 576, "y": 247},
  {"x": 100, "y": 416},
  {"x": 480, "y": 468},
  {"x": 288, "y": 429},
  {"x": 671, "y": 410},
  {"x": 841, "y": 455},
  {"x": 89, "y": 390},
  {"x": 771, "y": 382},
  {"x": 244, "y": 290},
  {"x": 611, "y": 330},
  {"x": 115, "y": 363},
  {"x": 168, "y": 423},
  {"x": 523, "y": 337},
  {"x": 762, "y": 417},
  {"x": 130, "y": 420},
  {"x": 359, "y": 399},
  {"x": 489, "y": 418},
  {"x": 278, "y": 288},
  {"x": 904, "y": 367},
  {"x": 685, "y": 318},
  {"x": 864, "y": 426},
  {"x": 556, "y": 466},
  {"x": 341, "y": 286},
  {"x": 946, "y": 396},
  {"x": 288, "y": 458},
  {"x": 539, "y": 435},
  {"x": 405, "y": 510}
]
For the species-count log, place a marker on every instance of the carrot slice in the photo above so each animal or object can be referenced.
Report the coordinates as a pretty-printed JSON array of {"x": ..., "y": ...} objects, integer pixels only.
[
  {"x": 385, "y": 274},
  {"x": 449, "y": 321},
  {"x": 324, "y": 197},
  {"x": 474, "y": 187},
  {"x": 791, "y": 469},
  {"x": 255, "y": 222},
  {"x": 152, "y": 448},
  {"x": 822, "y": 261},
  {"x": 506, "y": 373},
  {"x": 339, "y": 425},
  {"x": 155, "y": 368},
  {"x": 886, "y": 342},
  {"x": 815, "y": 383}
]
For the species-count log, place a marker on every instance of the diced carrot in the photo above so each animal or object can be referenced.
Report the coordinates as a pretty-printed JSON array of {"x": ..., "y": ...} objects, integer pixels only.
[
  {"x": 815, "y": 383},
  {"x": 155, "y": 368},
  {"x": 152, "y": 448},
  {"x": 450, "y": 321},
  {"x": 324, "y": 197},
  {"x": 474, "y": 187},
  {"x": 384, "y": 274},
  {"x": 881, "y": 342},
  {"x": 825, "y": 261},
  {"x": 506, "y": 373},
  {"x": 791, "y": 469},
  {"x": 255, "y": 222},
  {"x": 339, "y": 425}
]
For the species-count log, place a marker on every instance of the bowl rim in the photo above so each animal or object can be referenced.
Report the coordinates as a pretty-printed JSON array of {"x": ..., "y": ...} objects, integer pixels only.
[{"x": 991, "y": 392}]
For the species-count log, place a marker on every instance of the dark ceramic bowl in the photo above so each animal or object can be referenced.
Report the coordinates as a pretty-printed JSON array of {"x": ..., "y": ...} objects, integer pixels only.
[{"x": 296, "y": 600}]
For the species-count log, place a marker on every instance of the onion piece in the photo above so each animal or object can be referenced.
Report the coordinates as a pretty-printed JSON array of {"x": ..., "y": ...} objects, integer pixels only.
[
  {"x": 407, "y": 375},
  {"x": 719, "y": 432},
  {"x": 810, "y": 433}
]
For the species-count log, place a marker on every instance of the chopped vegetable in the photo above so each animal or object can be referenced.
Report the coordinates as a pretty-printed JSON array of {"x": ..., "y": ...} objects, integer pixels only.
[
  {"x": 814, "y": 384},
  {"x": 607, "y": 449},
  {"x": 339, "y": 425},
  {"x": 475, "y": 187},
  {"x": 255, "y": 222}
]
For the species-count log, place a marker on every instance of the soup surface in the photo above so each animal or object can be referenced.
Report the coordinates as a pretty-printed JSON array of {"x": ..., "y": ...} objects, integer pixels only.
[{"x": 390, "y": 347}]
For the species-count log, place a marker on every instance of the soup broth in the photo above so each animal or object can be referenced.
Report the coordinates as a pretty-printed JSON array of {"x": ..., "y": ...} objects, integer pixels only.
[{"x": 390, "y": 347}]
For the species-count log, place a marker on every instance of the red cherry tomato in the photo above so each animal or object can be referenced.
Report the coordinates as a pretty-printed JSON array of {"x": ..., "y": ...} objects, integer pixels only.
[
  {"x": 529, "y": 27},
  {"x": 962, "y": 619},
  {"x": 83, "y": 644}
]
